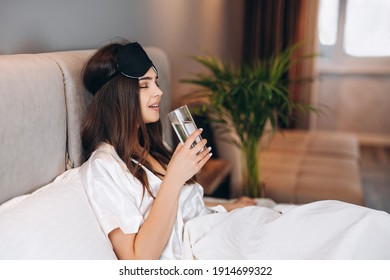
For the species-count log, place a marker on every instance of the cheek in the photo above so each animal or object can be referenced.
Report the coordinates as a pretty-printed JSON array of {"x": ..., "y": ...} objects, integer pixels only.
[{"x": 143, "y": 101}]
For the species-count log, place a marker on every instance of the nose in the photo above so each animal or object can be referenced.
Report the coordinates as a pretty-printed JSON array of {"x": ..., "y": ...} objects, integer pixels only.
[{"x": 158, "y": 91}]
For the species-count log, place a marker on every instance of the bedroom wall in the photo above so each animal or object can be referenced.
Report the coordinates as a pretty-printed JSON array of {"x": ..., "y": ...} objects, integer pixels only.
[
  {"x": 179, "y": 27},
  {"x": 353, "y": 102}
]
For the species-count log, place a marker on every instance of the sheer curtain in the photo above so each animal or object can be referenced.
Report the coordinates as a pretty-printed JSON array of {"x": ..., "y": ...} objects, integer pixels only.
[{"x": 273, "y": 25}]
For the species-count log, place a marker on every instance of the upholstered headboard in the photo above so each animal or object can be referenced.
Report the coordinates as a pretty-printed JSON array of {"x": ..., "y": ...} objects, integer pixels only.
[{"x": 42, "y": 107}]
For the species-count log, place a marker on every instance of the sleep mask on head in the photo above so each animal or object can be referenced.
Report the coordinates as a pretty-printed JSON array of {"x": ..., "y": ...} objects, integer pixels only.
[{"x": 132, "y": 62}]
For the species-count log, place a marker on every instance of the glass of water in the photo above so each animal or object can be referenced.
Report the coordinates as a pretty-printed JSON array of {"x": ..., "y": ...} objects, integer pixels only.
[{"x": 183, "y": 124}]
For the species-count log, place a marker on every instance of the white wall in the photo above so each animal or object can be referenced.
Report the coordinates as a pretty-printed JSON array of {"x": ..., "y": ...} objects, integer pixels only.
[
  {"x": 357, "y": 103},
  {"x": 179, "y": 27}
]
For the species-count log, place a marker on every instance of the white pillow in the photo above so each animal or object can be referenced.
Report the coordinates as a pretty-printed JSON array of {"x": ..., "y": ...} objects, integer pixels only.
[
  {"x": 55, "y": 222},
  {"x": 12, "y": 202}
]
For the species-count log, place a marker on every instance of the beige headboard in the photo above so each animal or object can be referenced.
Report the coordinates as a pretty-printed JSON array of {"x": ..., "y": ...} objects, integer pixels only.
[{"x": 42, "y": 107}]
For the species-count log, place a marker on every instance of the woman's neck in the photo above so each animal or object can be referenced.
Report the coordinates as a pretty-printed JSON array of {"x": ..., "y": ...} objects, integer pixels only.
[
  {"x": 157, "y": 167},
  {"x": 155, "y": 164}
]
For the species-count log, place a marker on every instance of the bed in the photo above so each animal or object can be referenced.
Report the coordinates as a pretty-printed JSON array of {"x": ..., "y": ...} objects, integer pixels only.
[{"x": 44, "y": 211}]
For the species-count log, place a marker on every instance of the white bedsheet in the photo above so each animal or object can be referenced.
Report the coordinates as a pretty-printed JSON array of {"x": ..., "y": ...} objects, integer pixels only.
[{"x": 320, "y": 230}]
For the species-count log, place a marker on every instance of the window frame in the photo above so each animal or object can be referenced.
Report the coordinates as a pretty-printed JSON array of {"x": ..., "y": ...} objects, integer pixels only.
[{"x": 334, "y": 58}]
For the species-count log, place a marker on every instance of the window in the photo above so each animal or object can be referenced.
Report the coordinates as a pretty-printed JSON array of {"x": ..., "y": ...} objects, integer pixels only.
[
  {"x": 364, "y": 26},
  {"x": 328, "y": 21},
  {"x": 367, "y": 28}
]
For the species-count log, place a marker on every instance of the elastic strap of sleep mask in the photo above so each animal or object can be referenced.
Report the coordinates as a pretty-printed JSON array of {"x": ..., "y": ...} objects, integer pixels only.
[{"x": 132, "y": 62}]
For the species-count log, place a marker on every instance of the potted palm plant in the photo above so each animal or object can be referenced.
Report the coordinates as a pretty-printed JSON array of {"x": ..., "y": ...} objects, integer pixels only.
[{"x": 244, "y": 98}]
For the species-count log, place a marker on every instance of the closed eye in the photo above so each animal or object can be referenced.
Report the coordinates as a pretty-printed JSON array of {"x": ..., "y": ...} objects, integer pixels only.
[
  {"x": 147, "y": 79},
  {"x": 147, "y": 85}
]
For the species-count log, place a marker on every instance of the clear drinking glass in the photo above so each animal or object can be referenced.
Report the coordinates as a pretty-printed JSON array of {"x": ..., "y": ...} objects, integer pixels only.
[{"x": 183, "y": 124}]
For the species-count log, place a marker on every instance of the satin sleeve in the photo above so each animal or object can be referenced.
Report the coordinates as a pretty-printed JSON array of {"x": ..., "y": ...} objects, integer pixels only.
[{"x": 114, "y": 194}]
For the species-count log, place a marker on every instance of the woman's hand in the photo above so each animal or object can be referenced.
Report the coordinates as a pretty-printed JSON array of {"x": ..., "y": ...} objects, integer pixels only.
[
  {"x": 186, "y": 161},
  {"x": 243, "y": 201}
]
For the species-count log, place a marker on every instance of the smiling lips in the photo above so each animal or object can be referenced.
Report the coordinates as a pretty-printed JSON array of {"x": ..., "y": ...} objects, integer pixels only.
[{"x": 155, "y": 107}]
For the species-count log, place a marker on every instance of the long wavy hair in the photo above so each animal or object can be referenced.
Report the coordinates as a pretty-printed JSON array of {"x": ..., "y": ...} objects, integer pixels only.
[{"x": 115, "y": 117}]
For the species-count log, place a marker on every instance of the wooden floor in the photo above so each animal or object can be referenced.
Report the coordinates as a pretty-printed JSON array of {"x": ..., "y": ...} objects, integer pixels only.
[{"x": 375, "y": 171}]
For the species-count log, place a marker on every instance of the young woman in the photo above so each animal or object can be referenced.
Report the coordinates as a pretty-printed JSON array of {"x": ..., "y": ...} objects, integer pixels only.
[
  {"x": 150, "y": 207},
  {"x": 141, "y": 193}
]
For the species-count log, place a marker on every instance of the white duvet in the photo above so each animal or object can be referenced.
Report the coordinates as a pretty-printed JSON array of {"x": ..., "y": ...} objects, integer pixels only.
[{"x": 320, "y": 230}]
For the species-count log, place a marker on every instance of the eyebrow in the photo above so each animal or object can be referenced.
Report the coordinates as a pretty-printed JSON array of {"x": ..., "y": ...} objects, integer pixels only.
[{"x": 147, "y": 78}]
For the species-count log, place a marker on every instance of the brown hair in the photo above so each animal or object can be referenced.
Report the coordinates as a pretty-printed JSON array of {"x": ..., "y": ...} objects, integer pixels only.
[{"x": 115, "y": 117}]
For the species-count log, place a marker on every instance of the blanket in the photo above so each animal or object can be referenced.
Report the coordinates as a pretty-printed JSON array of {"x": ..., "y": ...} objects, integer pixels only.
[{"x": 320, "y": 230}]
